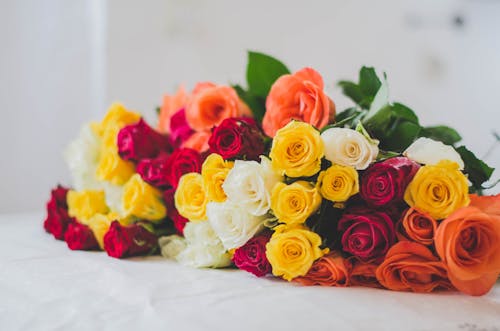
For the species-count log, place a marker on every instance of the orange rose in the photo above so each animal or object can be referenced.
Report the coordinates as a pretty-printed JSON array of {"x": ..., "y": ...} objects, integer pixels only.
[
  {"x": 329, "y": 270},
  {"x": 468, "y": 241},
  {"x": 410, "y": 266},
  {"x": 171, "y": 104},
  {"x": 416, "y": 226},
  {"x": 363, "y": 273},
  {"x": 210, "y": 104},
  {"x": 299, "y": 96},
  {"x": 488, "y": 204},
  {"x": 198, "y": 141}
]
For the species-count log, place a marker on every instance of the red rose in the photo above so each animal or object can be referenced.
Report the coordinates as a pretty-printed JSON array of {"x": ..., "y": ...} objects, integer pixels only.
[
  {"x": 178, "y": 220},
  {"x": 366, "y": 233},
  {"x": 180, "y": 162},
  {"x": 385, "y": 182},
  {"x": 154, "y": 171},
  {"x": 237, "y": 138},
  {"x": 122, "y": 241},
  {"x": 80, "y": 237},
  {"x": 180, "y": 130},
  {"x": 57, "y": 219},
  {"x": 139, "y": 141},
  {"x": 252, "y": 257}
]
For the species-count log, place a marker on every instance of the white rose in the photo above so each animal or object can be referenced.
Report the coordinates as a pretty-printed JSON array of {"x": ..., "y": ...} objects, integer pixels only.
[
  {"x": 233, "y": 225},
  {"x": 250, "y": 183},
  {"x": 82, "y": 157},
  {"x": 203, "y": 248},
  {"x": 429, "y": 151},
  {"x": 113, "y": 195},
  {"x": 348, "y": 147},
  {"x": 171, "y": 246}
]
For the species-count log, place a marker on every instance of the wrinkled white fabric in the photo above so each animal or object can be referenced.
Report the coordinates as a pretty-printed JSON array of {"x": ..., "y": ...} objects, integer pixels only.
[{"x": 45, "y": 286}]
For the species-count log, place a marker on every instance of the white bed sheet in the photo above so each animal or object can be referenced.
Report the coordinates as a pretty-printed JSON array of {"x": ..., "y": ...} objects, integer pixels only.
[{"x": 45, "y": 286}]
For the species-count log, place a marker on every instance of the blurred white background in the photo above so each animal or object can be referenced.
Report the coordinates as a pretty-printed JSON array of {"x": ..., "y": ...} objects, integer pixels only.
[{"x": 62, "y": 62}]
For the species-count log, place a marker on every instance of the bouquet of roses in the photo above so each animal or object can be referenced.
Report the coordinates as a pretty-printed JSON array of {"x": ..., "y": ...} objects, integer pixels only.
[{"x": 270, "y": 179}]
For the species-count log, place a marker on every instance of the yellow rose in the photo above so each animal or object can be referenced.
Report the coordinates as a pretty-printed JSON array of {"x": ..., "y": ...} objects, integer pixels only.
[
  {"x": 84, "y": 204},
  {"x": 438, "y": 189},
  {"x": 214, "y": 172},
  {"x": 338, "y": 183},
  {"x": 294, "y": 203},
  {"x": 292, "y": 251},
  {"x": 143, "y": 200},
  {"x": 190, "y": 197},
  {"x": 100, "y": 223},
  {"x": 297, "y": 150},
  {"x": 116, "y": 117},
  {"x": 110, "y": 166},
  {"x": 113, "y": 168}
]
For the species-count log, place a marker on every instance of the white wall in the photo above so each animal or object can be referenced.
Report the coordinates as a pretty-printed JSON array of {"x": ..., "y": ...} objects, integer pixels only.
[
  {"x": 62, "y": 61},
  {"x": 49, "y": 85}
]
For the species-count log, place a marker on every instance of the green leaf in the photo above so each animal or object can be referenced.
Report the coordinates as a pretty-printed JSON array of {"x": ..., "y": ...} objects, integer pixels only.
[
  {"x": 441, "y": 133},
  {"x": 383, "y": 155},
  {"x": 478, "y": 171},
  {"x": 158, "y": 110},
  {"x": 349, "y": 112},
  {"x": 380, "y": 100},
  {"x": 369, "y": 83},
  {"x": 352, "y": 91},
  {"x": 379, "y": 122},
  {"x": 402, "y": 112},
  {"x": 262, "y": 72},
  {"x": 365, "y": 90},
  {"x": 257, "y": 104},
  {"x": 401, "y": 135}
]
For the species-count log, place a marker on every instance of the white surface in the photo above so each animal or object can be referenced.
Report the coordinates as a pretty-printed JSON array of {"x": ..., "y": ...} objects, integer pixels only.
[{"x": 45, "y": 286}]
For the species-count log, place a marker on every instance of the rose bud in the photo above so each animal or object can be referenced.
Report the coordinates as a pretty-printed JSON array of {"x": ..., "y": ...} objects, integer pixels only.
[
  {"x": 237, "y": 138},
  {"x": 57, "y": 219},
  {"x": 385, "y": 182},
  {"x": 122, "y": 241},
  {"x": 80, "y": 237},
  {"x": 139, "y": 141},
  {"x": 180, "y": 162},
  {"x": 366, "y": 233},
  {"x": 251, "y": 257},
  {"x": 154, "y": 171}
]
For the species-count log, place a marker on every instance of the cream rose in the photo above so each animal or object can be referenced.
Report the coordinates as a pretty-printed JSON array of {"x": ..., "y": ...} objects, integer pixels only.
[
  {"x": 250, "y": 184},
  {"x": 82, "y": 158},
  {"x": 233, "y": 224},
  {"x": 429, "y": 152},
  {"x": 348, "y": 147},
  {"x": 201, "y": 247},
  {"x": 171, "y": 246}
]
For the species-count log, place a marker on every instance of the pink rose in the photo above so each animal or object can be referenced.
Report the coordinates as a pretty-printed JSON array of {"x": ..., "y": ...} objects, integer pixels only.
[
  {"x": 385, "y": 182},
  {"x": 237, "y": 138},
  {"x": 57, "y": 220},
  {"x": 80, "y": 237},
  {"x": 154, "y": 171},
  {"x": 251, "y": 257},
  {"x": 366, "y": 233},
  {"x": 139, "y": 141},
  {"x": 178, "y": 220},
  {"x": 122, "y": 241},
  {"x": 180, "y": 131}
]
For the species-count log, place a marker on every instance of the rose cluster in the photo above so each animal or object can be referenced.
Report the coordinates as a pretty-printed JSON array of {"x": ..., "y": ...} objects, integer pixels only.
[{"x": 287, "y": 192}]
